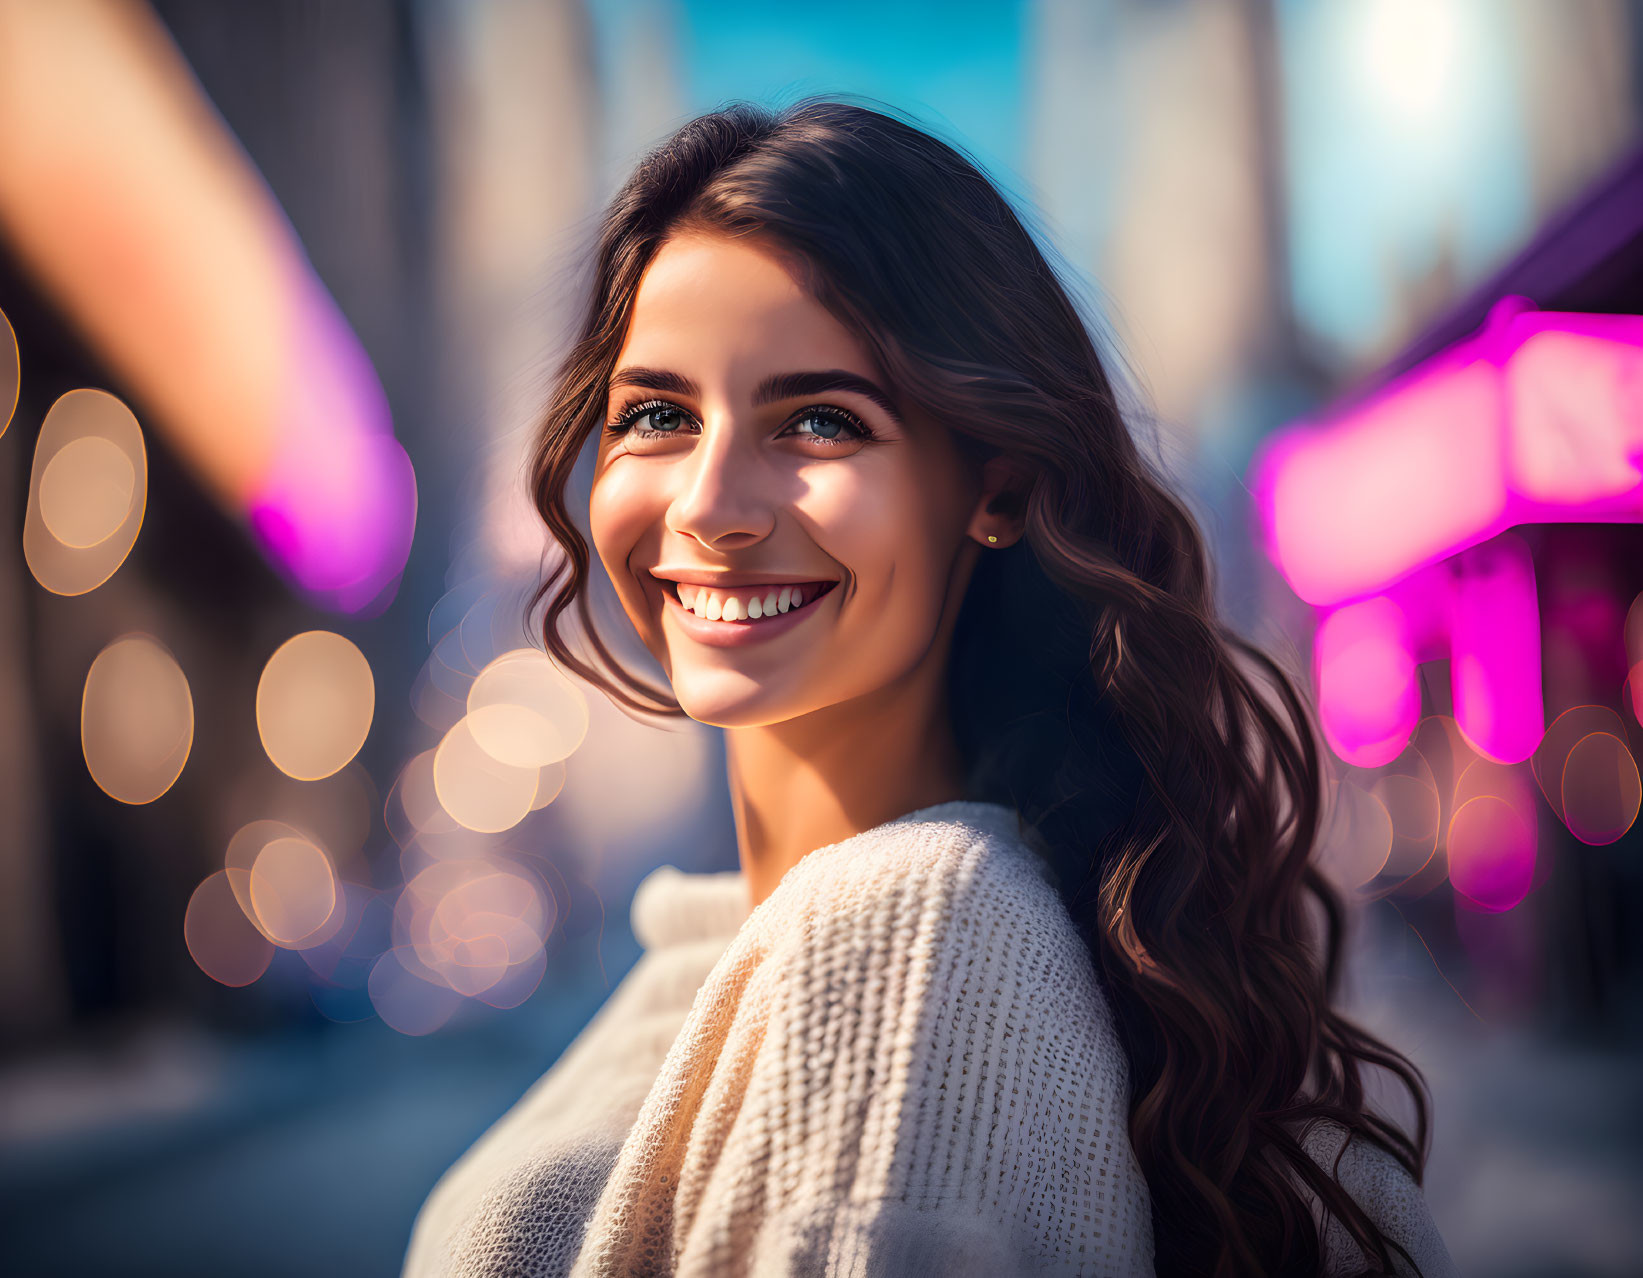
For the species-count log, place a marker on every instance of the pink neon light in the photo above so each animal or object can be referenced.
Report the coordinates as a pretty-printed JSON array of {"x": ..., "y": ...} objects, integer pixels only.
[
  {"x": 1382, "y": 513},
  {"x": 1365, "y": 673},
  {"x": 337, "y": 507}
]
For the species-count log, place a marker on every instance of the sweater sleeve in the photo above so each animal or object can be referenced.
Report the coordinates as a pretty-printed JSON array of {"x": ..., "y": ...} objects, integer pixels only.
[
  {"x": 1385, "y": 1190},
  {"x": 904, "y": 1065}
]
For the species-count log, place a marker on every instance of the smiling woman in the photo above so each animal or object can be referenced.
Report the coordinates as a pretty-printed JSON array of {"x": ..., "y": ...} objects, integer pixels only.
[
  {"x": 1023, "y": 970},
  {"x": 779, "y": 466}
]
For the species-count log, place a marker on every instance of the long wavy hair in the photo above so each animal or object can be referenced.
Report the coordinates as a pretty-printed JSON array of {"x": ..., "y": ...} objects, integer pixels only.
[{"x": 1126, "y": 725}]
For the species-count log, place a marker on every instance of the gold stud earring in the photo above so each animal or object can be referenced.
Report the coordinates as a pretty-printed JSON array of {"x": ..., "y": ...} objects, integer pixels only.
[{"x": 990, "y": 537}]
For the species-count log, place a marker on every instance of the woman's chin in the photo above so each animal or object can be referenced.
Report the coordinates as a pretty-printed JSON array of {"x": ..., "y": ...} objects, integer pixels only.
[{"x": 731, "y": 699}]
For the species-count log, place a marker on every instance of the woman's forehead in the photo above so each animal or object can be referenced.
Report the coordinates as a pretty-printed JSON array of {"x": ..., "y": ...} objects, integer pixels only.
[{"x": 728, "y": 308}]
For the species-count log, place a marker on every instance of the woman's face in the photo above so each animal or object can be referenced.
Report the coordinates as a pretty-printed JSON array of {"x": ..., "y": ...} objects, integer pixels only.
[{"x": 758, "y": 456}]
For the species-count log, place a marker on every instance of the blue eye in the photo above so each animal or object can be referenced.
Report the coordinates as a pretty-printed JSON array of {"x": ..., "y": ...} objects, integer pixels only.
[
  {"x": 657, "y": 410},
  {"x": 834, "y": 420}
]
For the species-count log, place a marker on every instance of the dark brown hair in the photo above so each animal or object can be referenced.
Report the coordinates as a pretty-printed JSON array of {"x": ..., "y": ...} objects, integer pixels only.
[{"x": 1181, "y": 804}]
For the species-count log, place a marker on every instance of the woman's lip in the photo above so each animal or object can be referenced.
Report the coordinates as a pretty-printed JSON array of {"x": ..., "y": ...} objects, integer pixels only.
[
  {"x": 715, "y": 583},
  {"x": 735, "y": 634}
]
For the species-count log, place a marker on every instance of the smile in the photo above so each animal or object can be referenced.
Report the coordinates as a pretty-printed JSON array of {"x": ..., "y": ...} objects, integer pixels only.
[{"x": 792, "y": 605}]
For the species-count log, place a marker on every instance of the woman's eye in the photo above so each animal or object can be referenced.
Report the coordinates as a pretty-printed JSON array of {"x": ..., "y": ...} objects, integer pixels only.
[
  {"x": 833, "y": 427},
  {"x": 658, "y": 420},
  {"x": 663, "y": 421},
  {"x": 651, "y": 420}
]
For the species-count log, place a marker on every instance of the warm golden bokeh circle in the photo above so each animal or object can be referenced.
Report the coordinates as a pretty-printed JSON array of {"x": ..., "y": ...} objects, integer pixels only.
[
  {"x": 286, "y": 883},
  {"x": 550, "y": 783},
  {"x": 293, "y": 890},
  {"x": 88, "y": 490},
  {"x": 477, "y": 790},
  {"x": 136, "y": 719},
  {"x": 524, "y": 713},
  {"x": 315, "y": 702}
]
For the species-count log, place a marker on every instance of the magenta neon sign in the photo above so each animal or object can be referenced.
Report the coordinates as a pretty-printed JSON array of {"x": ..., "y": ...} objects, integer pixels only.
[{"x": 1392, "y": 519}]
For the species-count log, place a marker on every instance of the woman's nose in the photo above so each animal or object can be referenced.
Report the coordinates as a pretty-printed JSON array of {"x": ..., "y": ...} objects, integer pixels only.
[{"x": 721, "y": 494}]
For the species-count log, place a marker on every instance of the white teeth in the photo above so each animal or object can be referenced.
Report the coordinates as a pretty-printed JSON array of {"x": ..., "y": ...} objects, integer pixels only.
[{"x": 730, "y": 607}]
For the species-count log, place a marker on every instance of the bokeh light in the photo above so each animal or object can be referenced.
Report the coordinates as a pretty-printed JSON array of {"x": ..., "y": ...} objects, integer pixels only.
[
  {"x": 523, "y": 712},
  {"x": 404, "y": 1000},
  {"x": 285, "y": 883},
  {"x": 1492, "y": 836},
  {"x": 136, "y": 719},
  {"x": 11, "y": 371},
  {"x": 1368, "y": 699},
  {"x": 315, "y": 702},
  {"x": 1551, "y": 757},
  {"x": 550, "y": 782},
  {"x": 1491, "y": 853},
  {"x": 468, "y": 922},
  {"x": 336, "y": 812},
  {"x": 1408, "y": 817},
  {"x": 220, "y": 938},
  {"x": 1356, "y": 837},
  {"x": 1601, "y": 788},
  {"x": 1414, "y": 807},
  {"x": 412, "y": 806},
  {"x": 336, "y": 959},
  {"x": 87, "y": 492},
  {"x": 479, "y": 791},
  {"x": 293, "y": 890},
  {"x": 1447, "y": 753}
]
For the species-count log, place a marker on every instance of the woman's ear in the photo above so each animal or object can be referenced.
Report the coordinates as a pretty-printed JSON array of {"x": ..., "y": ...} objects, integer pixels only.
[{"x": 1001, "y": 509}]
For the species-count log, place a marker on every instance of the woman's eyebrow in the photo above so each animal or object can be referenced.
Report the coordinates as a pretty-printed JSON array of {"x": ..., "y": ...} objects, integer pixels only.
[{"x": 778, "y": 386}]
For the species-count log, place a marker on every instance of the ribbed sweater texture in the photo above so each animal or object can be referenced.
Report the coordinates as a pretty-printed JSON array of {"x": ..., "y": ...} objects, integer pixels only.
[{"x": 900, "y": 1063}]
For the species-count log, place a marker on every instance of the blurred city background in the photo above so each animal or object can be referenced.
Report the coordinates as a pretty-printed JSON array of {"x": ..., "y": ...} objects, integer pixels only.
[{"x": 309, "y": 865}]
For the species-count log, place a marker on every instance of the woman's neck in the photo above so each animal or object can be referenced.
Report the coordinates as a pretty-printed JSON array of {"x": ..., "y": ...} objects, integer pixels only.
[{"x": 810, "y": 782}]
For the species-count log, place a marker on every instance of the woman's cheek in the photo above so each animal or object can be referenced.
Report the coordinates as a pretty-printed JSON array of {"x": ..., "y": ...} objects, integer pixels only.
[
  {"x": 617, "y": 516},
  {"x": 878, "y": 526},
  {"x": 858, "y": 506}
]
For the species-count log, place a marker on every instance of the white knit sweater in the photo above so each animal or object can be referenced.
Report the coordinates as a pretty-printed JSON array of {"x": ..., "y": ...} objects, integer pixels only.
[{"x": 900, "y": 1063}]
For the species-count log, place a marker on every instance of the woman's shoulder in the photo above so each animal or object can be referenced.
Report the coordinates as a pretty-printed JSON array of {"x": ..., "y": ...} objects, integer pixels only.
[
  {"x": 905, "y": 1044},
  {"x": 1388, "y": 1194}
]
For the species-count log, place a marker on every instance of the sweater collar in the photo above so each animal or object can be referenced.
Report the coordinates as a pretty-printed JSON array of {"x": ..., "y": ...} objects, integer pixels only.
[{"x": 678, "y": 907}]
